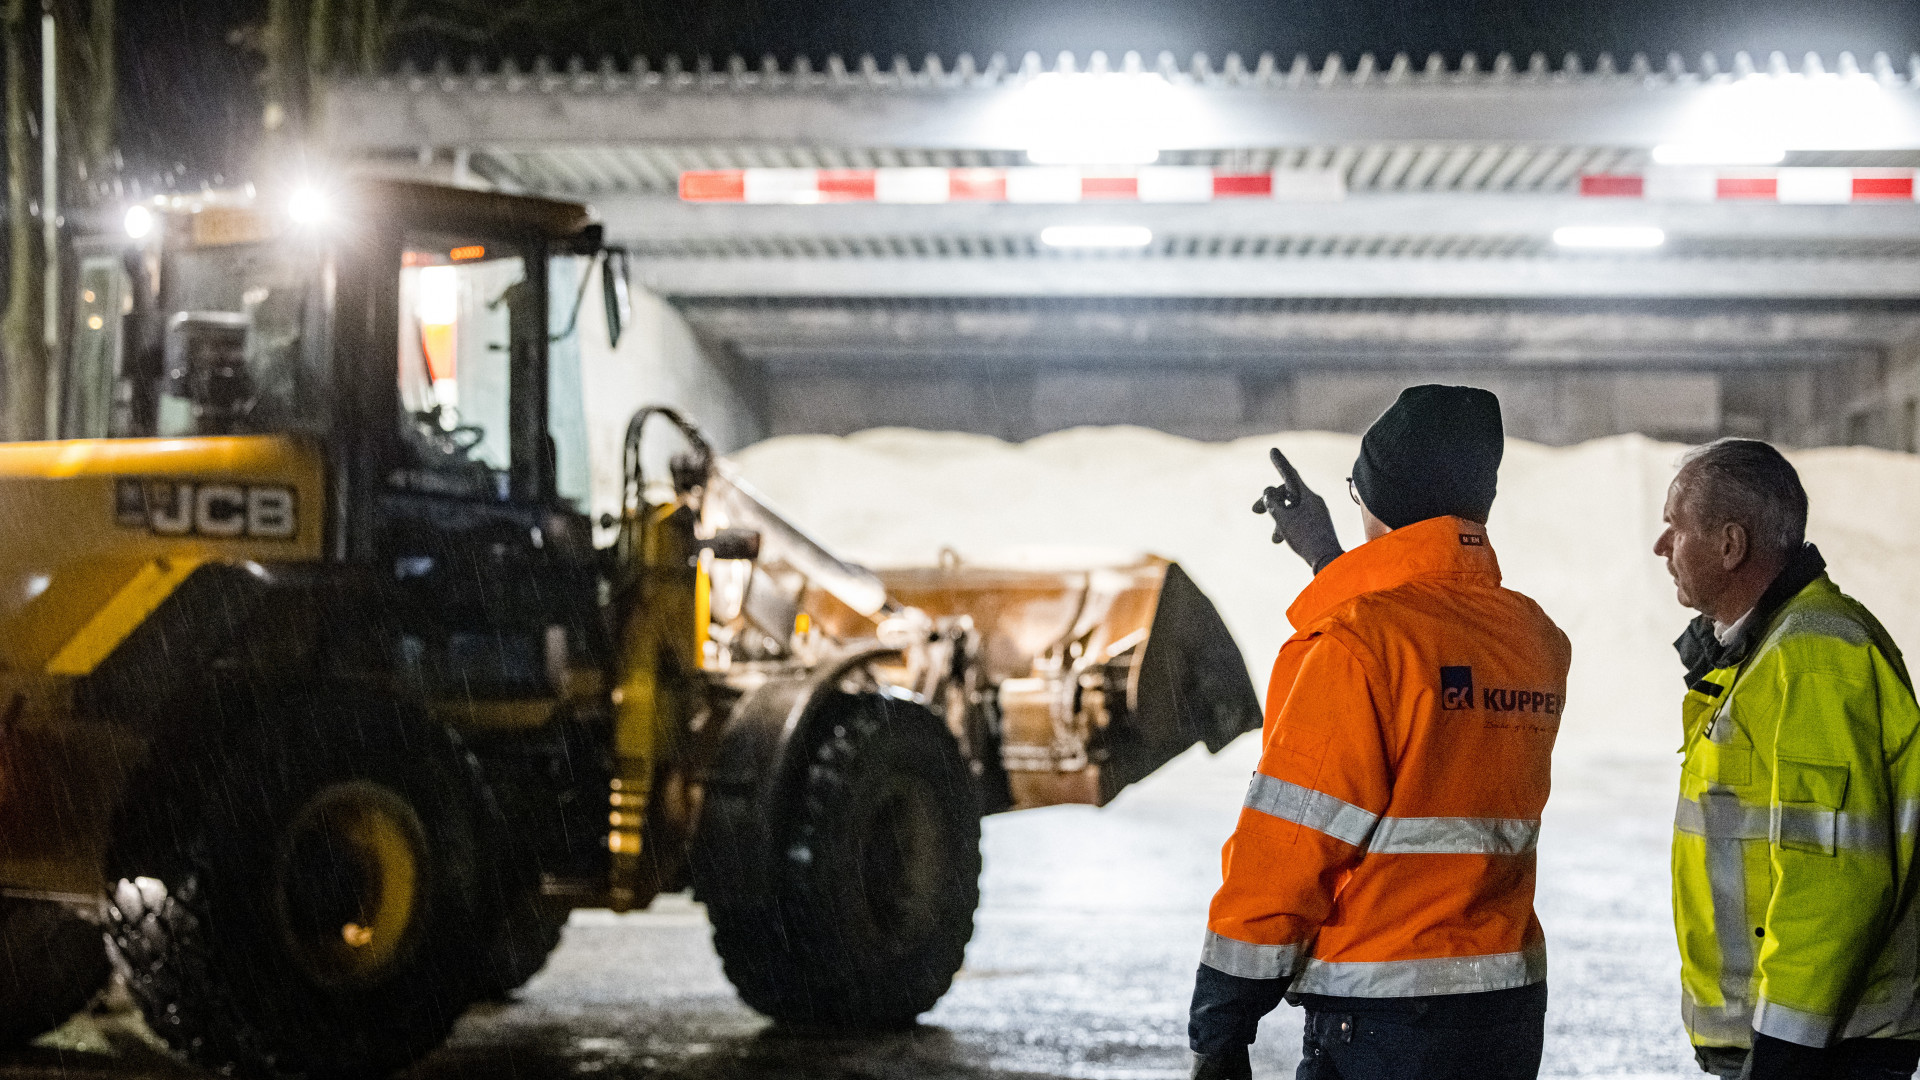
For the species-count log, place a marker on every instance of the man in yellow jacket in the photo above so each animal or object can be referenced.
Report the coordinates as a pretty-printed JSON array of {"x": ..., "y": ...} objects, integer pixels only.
[{"x": 1793, "y": 846}]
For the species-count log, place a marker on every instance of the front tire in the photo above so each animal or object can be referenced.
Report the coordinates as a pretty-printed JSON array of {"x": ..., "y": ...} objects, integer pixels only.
[
  {"x": 52, "y": 962},
  {"x": 320, "y": 899},
  {"x": 528, "y": 934},
  {"x": 877, "y": 876}
]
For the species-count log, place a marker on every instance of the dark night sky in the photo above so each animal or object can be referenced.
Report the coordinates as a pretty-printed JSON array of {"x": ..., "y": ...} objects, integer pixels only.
[{"x": 188, "y": 94}]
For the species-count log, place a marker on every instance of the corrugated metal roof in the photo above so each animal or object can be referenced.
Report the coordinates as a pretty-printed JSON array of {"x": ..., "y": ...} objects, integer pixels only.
[
  {"x": 1449, "y": 132},
  {"x": 933, "y": 73}
]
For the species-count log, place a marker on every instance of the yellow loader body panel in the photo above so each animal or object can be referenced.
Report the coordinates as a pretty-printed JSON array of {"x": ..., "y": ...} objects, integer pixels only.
[{"x": 95, "y": 534}]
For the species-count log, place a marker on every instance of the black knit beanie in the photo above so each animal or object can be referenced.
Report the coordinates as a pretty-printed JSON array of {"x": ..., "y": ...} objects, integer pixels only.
[{"x": 1435, "y": 452}]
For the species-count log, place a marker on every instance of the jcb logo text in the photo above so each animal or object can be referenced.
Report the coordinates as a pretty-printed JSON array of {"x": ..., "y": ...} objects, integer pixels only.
[{"x": 218, "y": 510}]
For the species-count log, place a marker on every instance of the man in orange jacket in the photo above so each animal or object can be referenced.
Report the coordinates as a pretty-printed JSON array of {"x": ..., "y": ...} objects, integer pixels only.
[{"x": 1382, "y": 870}]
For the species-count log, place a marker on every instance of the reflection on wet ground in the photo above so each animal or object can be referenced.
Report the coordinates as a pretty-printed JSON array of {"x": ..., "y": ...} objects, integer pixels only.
[{"x": 1080, "y": 966}]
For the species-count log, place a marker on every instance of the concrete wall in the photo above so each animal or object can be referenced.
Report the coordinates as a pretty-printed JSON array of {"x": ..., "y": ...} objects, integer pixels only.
[
  {"x": 1800, "y": 375},
  {"x": 1555, "y": 407},
  {"x": 1898, "y": 426},
  {"x": 1558, "y": 408}
]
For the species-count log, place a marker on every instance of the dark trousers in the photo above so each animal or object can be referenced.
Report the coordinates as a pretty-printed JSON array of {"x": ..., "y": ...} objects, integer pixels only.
[
  {"x": 1360, "y": 1043},
  {"x": 1854, "y": 1059}
]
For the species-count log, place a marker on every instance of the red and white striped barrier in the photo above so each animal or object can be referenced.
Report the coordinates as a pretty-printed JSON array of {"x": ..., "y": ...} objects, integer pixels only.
[
  {"x": 1199, "y": 184},
  {"x": 1018, "y": 184},
  {"x": 1791, "y": 185}
]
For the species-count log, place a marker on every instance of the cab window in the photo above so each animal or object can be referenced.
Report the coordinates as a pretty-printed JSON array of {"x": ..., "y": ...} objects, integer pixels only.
[
  {"x": 102, "y": 299},
  {"x": 457, "y": 300},
  {"x": 230, "y": 346},
  {"x": 236, "y": 355},
  {"x": 568, "y": 280}
]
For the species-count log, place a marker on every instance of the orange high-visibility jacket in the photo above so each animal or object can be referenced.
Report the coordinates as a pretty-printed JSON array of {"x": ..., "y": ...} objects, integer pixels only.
[{"x": 1386, "y": 848}]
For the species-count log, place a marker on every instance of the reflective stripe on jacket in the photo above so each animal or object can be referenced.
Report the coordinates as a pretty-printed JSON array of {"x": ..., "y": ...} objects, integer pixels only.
[
  {"x": 1794, "y": 837},
  {"x": 1386, "y": 848}
]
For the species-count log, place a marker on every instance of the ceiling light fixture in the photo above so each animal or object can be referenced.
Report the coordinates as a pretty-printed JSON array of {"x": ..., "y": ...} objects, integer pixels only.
[
  {"x": 1609, "y": 236},
  {"x": 1093, "y": 150},
  {"x": 1085, "y": 118},
  {"x": 1717, "y": 154}
]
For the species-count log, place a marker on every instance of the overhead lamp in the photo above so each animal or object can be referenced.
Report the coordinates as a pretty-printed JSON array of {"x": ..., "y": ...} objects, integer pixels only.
[
  {"x": 1609, "y": 236},
  {"x": 1717, "y": 154},
  {"x": 1093, "y": 150},
  {"x": 1753, "y": 121},
  {"x": 1106, "y": 118},
  {"x": 1096, "y": 236},
  {"x": 138, "y": 222}
]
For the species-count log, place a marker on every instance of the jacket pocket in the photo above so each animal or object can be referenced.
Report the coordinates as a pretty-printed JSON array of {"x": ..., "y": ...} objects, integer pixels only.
[
  {"x": 1305, "y": 747},
  {"x": 1728, "y": 764},
  {"x": 1807, "y": 803}
]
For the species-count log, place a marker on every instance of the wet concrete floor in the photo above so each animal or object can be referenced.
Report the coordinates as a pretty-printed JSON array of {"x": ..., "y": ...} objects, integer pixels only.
[{"x": 1081, "y": 963}]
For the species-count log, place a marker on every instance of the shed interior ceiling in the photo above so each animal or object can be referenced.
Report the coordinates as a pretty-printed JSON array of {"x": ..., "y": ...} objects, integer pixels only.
[{"x": 1453, "y": 173}]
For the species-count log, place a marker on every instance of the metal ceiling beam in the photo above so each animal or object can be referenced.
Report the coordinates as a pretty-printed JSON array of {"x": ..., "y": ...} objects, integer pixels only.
[
  {"x": 1411, "y": 323},
  {"x": 946, "y": 357},
  {"x": 656, "y": 220},
  {"x": 811, "y": 335},
  {"x": 1301, "y": 276}
]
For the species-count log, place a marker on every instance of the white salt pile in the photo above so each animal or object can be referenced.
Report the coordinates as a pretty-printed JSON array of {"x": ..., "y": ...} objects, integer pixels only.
[{"x": 1573, "y": 528}]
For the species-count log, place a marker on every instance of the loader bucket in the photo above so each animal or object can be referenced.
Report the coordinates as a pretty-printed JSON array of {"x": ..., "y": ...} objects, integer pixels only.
[
  {"x": 1192, "y": 686},
  {"x": 1141, "y": 639}
]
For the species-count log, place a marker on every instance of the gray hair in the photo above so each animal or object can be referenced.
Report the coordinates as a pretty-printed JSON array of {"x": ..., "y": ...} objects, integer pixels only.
[{"x": 1749, "y": 482}]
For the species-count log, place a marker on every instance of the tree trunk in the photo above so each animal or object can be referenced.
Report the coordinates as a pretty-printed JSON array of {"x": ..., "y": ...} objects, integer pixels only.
[
  {"x": 321, "y": 34},
  {"x": 22, "y": 328},
  {"x": 280, "y": 77},
  {"x": 103, "y": 103}
]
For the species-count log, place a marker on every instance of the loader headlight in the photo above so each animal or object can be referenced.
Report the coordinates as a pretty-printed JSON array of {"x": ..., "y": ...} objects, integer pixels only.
[
  {"x": 138, "y": 222},
  {"x": 309, "y": 206}
]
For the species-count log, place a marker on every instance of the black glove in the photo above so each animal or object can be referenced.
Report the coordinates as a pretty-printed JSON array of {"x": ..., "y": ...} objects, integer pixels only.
[
  {"x": 1226, "y": 1065},
  {"x": 1722, "y": 1061},
  {"x": 1300, "y": 517},
  {"x": 1225, "y": 1018}
]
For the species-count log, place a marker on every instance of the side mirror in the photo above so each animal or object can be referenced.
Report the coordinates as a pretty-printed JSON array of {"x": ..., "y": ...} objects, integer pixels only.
[
  {"x": 734, "y": 544},
  {"x": 613, "y": 289}
]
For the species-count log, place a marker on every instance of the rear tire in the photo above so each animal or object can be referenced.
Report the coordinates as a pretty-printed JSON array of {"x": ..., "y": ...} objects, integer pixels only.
[
  {"x": 52, "y": 962},
  {"x": 317, "y": 899},
  {"x": 877, "y": 877}
]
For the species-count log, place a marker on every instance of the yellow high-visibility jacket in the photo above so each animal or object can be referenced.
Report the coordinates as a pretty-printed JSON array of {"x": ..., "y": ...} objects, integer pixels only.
[{"x": 1793, "y": 845}]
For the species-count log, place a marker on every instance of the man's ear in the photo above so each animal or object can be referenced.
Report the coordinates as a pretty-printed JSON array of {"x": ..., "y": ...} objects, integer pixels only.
[{"x": 1733, "y": 545}]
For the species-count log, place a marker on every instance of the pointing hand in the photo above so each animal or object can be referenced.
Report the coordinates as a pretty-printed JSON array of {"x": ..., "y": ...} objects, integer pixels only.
[{"x": 1300, "y": 517}]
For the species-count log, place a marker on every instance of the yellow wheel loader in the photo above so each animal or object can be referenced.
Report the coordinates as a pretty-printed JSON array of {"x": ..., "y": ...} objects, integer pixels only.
[{"x": 324, "y": 695}]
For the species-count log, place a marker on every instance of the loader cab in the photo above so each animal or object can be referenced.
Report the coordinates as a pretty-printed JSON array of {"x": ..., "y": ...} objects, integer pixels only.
[
  {"x": 424, "y": 341},
  {"x": 410, "y": 328}
]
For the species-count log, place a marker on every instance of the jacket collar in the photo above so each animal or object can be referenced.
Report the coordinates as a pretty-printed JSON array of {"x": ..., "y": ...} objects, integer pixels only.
[
  {"x": 1702, "y": 652},
  {"x": 1441, "y": 546}
]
